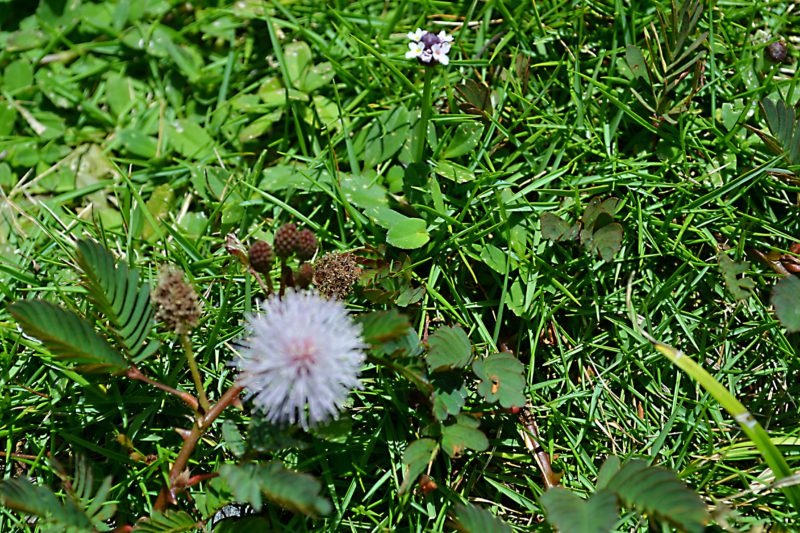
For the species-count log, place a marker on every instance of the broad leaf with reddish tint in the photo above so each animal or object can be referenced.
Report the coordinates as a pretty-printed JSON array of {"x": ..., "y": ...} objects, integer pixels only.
[
  {"x": 502, "y": 379},
  {"x": 448, "y": 348},
  {"x": 415, "y": 459},
  {"x": 383, "y": 326},
  {"x": 463, "y": 434},
  {"x": 555, "y": 228}
]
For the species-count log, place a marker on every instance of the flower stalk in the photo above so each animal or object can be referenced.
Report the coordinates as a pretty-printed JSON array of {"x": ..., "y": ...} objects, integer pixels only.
[
  {"x": 430, "y": 49},
  {"x": 168, "y": 494},
  {"x": 198, "y": 380},
  {"x": 425, "y": 115}
]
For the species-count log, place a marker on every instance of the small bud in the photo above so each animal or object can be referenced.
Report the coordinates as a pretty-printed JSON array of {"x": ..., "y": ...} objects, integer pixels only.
[
  {"x": 335, "y": 274},
  {"x": 306, "y": 244},
  {"x": 176, "y": 301},
  {"x": 286, "y": 239},
  {"x": 777, "y": 52},
  {"x": 304, "y": 276},
  {"x": 235, "y": 247},
  {"x": 261, "y": 256},
  {"x": 426, "y": 484}
]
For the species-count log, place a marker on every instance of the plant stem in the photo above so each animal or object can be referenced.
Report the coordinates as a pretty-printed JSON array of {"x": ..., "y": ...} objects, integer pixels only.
[
  {"x": 287, "y": 278},
  {"x": 198, "y": 382},
  {"x": 425, "y": 115},
  {"x": 167, "y": 494},
  {"x": 267, "y": 288},
  {"x": 530, "y": 436},
  {"x": 134, "y": 373}
]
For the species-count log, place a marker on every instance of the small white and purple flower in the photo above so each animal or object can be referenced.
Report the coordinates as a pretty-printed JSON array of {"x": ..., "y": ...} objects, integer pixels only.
[
  {"x": 429, "y": 48},
  {"x": 302, "y": 358}
]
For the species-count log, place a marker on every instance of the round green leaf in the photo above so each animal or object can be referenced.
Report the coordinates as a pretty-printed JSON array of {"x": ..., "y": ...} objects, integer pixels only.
[
  {"x": 786, "y": 299},
  {"x": 409, "y": 234},
  {"x": 298, "y": 57},
  {"x": 462, "y": 435},
  {"x": 465, "y": 139},
  {"x": 189, "y": 139},
  {"x": 501, "y": 379}
]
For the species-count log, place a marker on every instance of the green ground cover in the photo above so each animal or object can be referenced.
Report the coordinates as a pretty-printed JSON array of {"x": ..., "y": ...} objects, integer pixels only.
[{"x": 583, "y": 182}]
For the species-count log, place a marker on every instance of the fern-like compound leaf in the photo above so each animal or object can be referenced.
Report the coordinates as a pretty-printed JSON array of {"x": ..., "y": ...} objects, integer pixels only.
[
  {"x": 68, "y": 336},
  {"x": 659, "y": 493},
  {"x": 118, "y": 294}
]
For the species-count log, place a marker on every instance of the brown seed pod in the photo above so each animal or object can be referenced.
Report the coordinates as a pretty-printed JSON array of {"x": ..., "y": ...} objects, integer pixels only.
[
  {"x": 261, "y": 256},
  {"x": 304, "y": 276},
  {"x": 286, "y": 240},
  {"x": 306, "y": 244},
  {"x": 335, "y": 274},
  {"x": 777, "y": 52}
]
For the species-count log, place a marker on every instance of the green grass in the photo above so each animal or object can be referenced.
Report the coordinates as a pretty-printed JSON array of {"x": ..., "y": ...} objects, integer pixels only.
[{"x": 161, "y": 150}]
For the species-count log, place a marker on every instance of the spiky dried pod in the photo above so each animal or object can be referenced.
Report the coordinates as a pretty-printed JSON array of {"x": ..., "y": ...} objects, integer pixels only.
[
  {"x": 335, "y": 274},
  {"x": 177, "y": 303}
]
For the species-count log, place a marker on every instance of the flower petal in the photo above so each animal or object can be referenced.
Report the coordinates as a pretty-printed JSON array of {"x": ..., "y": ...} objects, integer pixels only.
[
  {"x": 414, "y": 50},
  {"x": 415, "y": 35}
]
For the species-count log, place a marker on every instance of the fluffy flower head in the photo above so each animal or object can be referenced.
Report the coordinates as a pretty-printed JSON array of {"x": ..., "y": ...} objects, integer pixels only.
[
  {"x": 302, "y": 358},
  {"x": 429, "y": 47}
]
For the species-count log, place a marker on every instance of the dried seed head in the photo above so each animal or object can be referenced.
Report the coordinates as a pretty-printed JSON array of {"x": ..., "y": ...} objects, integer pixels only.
[
  {"x": 286, "y": 240},
  {"x": 777, "y": 52},
  {"x": 335, "y": 274},
  {"x": 261, "y": 256},
  {"x": 177, "y": 304},
  {"x": 306, "y": 244},
  {"x": 304, "y": 276}
]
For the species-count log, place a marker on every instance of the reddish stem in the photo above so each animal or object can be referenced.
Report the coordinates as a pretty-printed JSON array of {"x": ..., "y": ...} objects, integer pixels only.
[
  {"x": 167, "y": 494},
  {"x": 267, "y": 288},
  {"x": 134, "y": 373},
  {"x": 14, "y": 455},
  {"x": 530, "y": 435}
]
